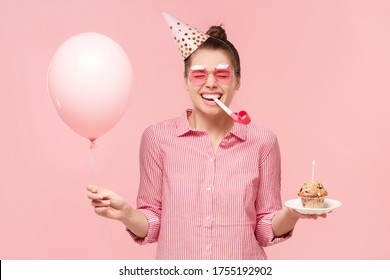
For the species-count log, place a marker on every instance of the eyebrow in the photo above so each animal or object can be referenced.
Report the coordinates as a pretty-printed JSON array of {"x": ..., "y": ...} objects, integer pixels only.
[{"x": 201, "y": 67}]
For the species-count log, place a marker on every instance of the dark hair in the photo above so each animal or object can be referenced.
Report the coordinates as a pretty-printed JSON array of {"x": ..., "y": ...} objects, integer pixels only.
[{"x": 218, "y": 40}]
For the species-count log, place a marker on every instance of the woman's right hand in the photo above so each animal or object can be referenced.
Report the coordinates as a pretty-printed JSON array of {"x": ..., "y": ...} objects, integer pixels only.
[
  {"x": 111, "y": 205},
  {"x": 108, "y": 204}
]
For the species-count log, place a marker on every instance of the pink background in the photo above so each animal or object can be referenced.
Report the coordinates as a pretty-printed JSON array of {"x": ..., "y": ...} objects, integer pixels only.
[{"x": 315, "y": 72}]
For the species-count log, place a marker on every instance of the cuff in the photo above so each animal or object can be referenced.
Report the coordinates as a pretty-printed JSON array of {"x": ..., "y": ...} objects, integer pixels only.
[
  {"x": 265, "y": 234},
  {"x": 153, "y": 228}
]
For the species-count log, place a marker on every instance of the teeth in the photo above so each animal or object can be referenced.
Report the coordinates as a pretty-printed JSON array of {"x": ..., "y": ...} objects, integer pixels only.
[{"x": 211, "y": 96}]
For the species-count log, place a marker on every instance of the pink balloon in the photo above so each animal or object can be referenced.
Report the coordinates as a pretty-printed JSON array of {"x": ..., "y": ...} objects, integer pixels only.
[{"x": 89, "y": 81}]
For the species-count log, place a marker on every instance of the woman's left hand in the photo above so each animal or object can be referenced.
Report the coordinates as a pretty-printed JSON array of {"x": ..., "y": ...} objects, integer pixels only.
[{"x": 306, "y": 216}]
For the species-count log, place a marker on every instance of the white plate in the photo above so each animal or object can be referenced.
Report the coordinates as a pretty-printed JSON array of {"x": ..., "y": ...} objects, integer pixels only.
[{"x": 329, "y": 205}]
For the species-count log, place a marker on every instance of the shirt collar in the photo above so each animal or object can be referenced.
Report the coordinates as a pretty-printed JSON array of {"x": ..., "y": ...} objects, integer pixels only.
[
  {"x": 239, "y": 130},
  {"x": 183, "y": 127}
]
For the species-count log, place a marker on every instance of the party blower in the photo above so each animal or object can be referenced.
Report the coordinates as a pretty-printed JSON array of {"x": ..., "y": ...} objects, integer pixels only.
[{"x": 241, "y": 117}]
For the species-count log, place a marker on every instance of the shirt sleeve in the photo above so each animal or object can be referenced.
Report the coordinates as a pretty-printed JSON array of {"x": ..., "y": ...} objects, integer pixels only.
[
  {"x": 268, "y": 202},
  {"x": 149, "y": 192}
]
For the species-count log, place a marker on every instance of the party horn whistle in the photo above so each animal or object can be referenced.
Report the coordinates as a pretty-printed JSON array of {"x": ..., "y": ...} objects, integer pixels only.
[{"x": 241, "y": 117}]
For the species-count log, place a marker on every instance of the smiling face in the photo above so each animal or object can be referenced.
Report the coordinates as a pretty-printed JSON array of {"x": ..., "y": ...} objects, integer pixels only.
[{"x": 215, "y": 84}]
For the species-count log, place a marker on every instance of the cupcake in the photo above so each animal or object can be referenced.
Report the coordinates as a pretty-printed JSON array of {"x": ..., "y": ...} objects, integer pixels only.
[{"x": 312, "y": 194}]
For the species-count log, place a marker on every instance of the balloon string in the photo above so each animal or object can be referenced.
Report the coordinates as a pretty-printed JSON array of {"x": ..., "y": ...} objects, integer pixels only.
[
  {"x": 92, "y": 161},
  {"x": 93, "y": 145},
  {"x": 92, "y": 168}
]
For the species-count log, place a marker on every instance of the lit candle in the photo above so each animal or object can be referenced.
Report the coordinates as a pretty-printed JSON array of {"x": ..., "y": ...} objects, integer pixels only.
[{"x": 312, "y": 170}]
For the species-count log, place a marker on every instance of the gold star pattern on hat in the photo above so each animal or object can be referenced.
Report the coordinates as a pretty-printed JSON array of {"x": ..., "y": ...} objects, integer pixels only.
[{"x": 187, "y": 38}]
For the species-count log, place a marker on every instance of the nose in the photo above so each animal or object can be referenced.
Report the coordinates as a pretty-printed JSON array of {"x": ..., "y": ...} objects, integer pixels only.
[{"x": 211, "y": 82}]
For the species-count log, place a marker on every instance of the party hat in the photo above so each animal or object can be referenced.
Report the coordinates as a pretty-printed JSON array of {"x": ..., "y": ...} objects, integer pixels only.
[{"x": 187, "y": 38}]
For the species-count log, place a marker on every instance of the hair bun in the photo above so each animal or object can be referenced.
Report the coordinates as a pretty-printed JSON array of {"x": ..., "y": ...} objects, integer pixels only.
[{"x": 217, "y": 32}]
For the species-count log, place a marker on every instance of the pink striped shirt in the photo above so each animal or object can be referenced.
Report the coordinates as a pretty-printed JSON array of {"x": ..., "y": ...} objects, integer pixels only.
[{"x": 205, "y": 205}]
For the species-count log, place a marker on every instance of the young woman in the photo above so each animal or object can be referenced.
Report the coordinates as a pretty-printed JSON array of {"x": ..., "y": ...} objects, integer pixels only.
[{"x": 209, "y": 187}]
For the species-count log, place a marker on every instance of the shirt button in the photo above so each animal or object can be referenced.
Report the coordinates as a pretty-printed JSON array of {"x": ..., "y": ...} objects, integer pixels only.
[
  {"x": 209, "y": 188},
  {"x": 208, "y": 218}
]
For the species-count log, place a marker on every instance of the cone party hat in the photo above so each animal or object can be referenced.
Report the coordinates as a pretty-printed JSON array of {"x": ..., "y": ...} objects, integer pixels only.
[{"x": 187, "y": 38}]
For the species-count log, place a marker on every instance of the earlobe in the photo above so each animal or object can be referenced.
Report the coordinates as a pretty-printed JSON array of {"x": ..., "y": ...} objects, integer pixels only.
[
  {"x": 186, "y": 84},
  {"x": 238, "y": 84}
]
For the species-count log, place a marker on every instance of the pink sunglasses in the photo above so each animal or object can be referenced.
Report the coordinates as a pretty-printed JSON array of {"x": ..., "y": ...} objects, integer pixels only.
[{"x": 198, "y": 74}]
